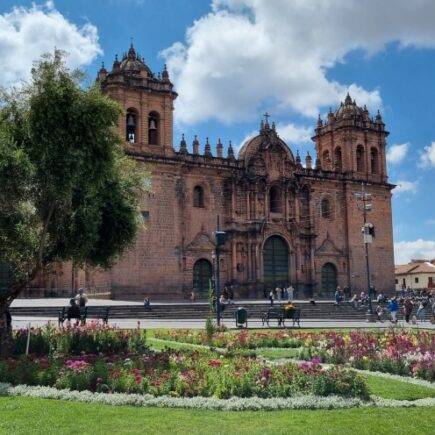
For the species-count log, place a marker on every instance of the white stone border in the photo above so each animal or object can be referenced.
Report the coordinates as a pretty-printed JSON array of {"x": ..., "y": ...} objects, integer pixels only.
[{"x": 210, "y": 403}]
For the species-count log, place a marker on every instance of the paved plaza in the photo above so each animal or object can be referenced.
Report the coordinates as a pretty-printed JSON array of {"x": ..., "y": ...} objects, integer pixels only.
[{"x": 22, "y": 322}]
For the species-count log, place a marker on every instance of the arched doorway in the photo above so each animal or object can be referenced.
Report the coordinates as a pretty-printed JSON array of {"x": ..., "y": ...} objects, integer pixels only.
[
  {"x": 275, "y": 262},
  {"x": 202, "y": 274},
  {"x": 329, "y": 279}
]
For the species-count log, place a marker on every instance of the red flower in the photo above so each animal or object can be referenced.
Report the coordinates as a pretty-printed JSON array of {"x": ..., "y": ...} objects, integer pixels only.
[{"x": 138, "y": 379}]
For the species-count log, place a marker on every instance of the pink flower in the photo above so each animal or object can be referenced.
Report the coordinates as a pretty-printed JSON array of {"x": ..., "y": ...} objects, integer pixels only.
[{"x": 215, "y": 363}]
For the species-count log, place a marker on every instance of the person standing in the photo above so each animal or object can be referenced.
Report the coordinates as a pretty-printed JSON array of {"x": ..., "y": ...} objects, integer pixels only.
[
  {"x": 192, "y": 296},
  {"x": 421, "y": 312},
  {"x": 291, "y": 292},
  {"x": 271, "y": 297},
  {"x": 278, "y": 293},
  {"x": 407, "y": 309}
]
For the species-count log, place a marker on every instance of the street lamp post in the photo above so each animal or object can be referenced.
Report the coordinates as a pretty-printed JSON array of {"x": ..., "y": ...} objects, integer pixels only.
[
  {"x": 368, "y": 232},
  {"x": 220, "y": 239}
]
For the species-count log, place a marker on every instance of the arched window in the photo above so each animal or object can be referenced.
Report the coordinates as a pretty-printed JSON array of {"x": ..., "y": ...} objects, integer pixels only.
[
  {"x": 374, "y": 161},
  {"x": 153, "y": 128},
  {"x": 131, "y": 126},
  {"x": 325, "y": 207},
  {"x": 360, "y": 165},
  {"x": 337, "y": 159},
  {"x": 198, "y": 197},
  {"x": 275, "y": 199}
]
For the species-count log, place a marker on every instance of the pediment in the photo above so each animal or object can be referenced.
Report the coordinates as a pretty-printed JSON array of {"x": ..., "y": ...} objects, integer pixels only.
[
  {"x": 328, "y": 247},
  {"x": 201, "y": 242}
]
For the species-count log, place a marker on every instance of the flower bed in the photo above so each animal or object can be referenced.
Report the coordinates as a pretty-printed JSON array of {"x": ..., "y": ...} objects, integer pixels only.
[
  {"x": 92, "y": 337},
  {"x": 403, "y": 353},
  {"x": 102, "y": 359},
  {"x": 235, "y": 340},
  {"x": 398, "y": 352},
  {"x": 183, "y": 374}
]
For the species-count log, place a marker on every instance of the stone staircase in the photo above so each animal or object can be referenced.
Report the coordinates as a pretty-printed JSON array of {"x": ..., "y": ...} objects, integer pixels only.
[{"x": 322, "y": 310}]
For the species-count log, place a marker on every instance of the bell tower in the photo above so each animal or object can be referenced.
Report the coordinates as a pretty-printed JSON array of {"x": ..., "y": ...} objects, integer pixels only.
[
  {"x": 352, "y": 142},
  {"x": 147, "y": 100}
]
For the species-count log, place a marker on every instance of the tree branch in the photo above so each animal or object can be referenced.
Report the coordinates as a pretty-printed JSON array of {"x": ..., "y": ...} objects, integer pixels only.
[{"x": 44, "y": 234}]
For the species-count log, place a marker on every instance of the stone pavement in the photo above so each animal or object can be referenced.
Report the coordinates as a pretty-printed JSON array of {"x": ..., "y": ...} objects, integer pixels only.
[{"x": 22, "y": 322}]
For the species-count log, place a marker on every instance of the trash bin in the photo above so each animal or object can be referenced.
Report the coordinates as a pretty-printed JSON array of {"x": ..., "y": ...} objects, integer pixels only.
[{"x": 241, "y": 317}]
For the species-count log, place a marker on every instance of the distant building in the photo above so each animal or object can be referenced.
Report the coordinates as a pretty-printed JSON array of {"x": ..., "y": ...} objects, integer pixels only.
[
  {"x": 287, "y": 222},
  {"x": 419, "y": 274}
]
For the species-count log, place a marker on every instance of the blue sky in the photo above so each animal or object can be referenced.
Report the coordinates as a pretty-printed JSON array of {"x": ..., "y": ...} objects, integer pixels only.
[{"x": 232, "y": 60}]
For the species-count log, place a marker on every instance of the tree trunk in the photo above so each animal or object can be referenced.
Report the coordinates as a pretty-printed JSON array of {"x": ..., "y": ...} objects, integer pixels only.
[{"x": 5, "y": 333}]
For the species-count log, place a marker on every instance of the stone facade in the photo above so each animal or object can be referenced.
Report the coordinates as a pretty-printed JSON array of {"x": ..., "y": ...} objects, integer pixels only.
[{"x": 286, "y": 223}]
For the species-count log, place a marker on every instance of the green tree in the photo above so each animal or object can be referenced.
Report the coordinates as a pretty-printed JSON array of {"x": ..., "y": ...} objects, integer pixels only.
[{"x": 67, "y": 190}]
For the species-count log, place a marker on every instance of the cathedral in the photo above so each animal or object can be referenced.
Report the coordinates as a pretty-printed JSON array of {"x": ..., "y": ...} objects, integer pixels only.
[{"x": 288, "y": 219}]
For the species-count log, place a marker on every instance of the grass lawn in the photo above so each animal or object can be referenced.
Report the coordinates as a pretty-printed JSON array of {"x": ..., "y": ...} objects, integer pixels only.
[
  {"x": 278, "y": 353},
  {"x": 21, "y": 415},
  {"x": 392, "y": 389}
]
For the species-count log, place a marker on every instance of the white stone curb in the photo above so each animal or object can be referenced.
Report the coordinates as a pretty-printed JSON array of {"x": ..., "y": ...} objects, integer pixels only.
[{"x": 232, "y": 404}]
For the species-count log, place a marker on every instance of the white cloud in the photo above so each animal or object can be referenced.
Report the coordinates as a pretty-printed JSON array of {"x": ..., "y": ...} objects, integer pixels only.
[
  {"x": 427, "y": 158},
  {"x": 403, "y": 186},
  {"x": 422, "y": 249},
  {"x": 27, "y": 33},
  {"x": 294, "y": 134},
  {"x": 430, "y": 221},
  {"x": 397, "y": 152},
  {"x": 249, "y": 54}
]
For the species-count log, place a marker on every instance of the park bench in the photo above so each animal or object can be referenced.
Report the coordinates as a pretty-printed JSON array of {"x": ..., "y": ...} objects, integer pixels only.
[
  {"x": 273, "y": 314},
  {"x": 294, "y": 315},
  {"x": 100, "y": 313}
]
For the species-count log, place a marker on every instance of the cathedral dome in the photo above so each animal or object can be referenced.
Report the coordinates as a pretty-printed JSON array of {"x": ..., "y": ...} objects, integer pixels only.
[
  {"x": 349, "y": 110},
  {"x": 132, "y": 62},
  {"x": 267, "y": 138}
]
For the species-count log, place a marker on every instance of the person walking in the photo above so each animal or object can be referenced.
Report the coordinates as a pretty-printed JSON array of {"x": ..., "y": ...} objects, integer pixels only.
[{"x": 393, "y": 307}]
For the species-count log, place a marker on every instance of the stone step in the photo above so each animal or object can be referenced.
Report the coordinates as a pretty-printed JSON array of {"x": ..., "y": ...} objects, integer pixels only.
[{"x": 201, "y": 311}]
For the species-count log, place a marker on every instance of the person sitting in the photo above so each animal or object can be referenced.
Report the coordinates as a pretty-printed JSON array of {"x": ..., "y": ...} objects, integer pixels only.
[
  {"x": 380, "y": 298},
  {"x": 337, "y": 296},
  {"x": 81, "y": 298},
  {"x": 147, "y": 304},
  {"x": 289, "y": 309},
  {"x": 354, "y": 301},
  {"x": 379, "y": 312},
  {"x": 73, "y": 311}
]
